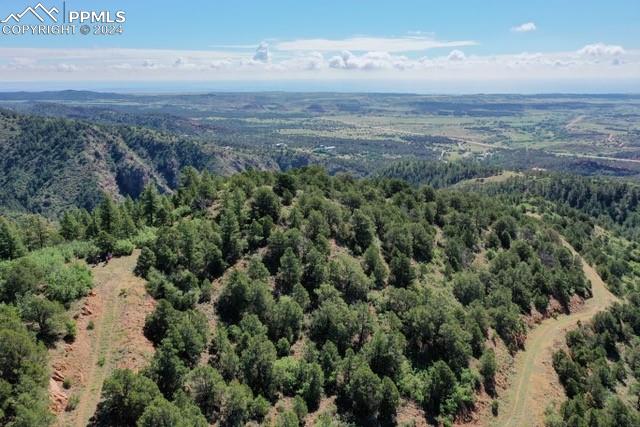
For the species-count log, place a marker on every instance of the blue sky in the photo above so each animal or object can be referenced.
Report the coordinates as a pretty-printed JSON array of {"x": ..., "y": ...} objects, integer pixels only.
[{"x": 478, "y": 46}]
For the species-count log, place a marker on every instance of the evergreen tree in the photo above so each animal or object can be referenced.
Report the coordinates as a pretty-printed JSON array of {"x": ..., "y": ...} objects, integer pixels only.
[
  {"x": 488, "y": 368},
  {"x": 290, "y": 271},
  {"x": 206, "y": 387},
  {"x": 162, "y": 413},
  {"x": 125, "y": 396},
  {"x": 374, "y": 266},
  {"x": 402, "y": 272},
  {"x": 389, "y": 403},
  {"x": 315, "y": 269},
  {"x": 363, "y": 231},
  {"x": 70, "y": 227},
  {"x": 364, "y": 391},
  {"x": 146, "y": 261},
  {"x": 232, "y": 243},
  {"x": 109, "y": 216},
  {"x": 150, "y": 204},
  {"x": 11, "y": 245},
  {"x": 265, "y": 203}
]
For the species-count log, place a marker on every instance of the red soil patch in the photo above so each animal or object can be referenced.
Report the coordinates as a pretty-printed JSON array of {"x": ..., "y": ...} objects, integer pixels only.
[
  {"x": 409, "y": 413},
  {"x": 117, "y": 307}
]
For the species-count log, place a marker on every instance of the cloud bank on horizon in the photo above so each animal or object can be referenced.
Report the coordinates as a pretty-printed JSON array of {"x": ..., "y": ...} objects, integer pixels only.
[{"x": 376, "y": 59}]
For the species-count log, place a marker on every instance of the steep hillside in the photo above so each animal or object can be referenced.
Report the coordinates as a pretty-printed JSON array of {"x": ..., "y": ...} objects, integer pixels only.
[
  {"x": 49, "y": 164},
  {"x": 298, "y": 297},
  {"x": 332, "y": 298}
]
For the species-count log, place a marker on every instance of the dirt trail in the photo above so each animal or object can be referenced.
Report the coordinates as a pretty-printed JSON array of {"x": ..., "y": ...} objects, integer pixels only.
[
  {"x": 589, "y": 156},
  {"x": 572, "y": 124},
  {"x": 535, "y": 383},
  {"x": 116, "y": 307}
]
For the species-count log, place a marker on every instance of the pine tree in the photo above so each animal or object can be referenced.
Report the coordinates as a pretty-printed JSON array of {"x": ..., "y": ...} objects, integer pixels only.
[
  {"x": 11, "y": 245},
  {"x": 150, "y": 204},
  {"x": 70, "y": 227},
  {"x": 363, "y": 231},
  {"x": 402, "y": 272},
  {"x": 37, "y": 231},
  {"x": 374, "y": 266},
  {"x": 232, "y": 244},
  {"x": 290, "y": 271},
  {"x": 109, "y": 216}
]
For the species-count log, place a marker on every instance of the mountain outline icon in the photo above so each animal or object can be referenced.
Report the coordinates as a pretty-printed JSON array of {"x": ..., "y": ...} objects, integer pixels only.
[{"x": 34, "y": 11}]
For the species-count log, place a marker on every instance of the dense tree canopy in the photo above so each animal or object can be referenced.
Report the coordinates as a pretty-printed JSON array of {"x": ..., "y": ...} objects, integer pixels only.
[{"x": 301, "y": 286}]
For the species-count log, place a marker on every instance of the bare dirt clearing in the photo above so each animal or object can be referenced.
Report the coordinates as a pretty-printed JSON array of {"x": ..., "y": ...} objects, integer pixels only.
[{"x": 110, "y": 335}]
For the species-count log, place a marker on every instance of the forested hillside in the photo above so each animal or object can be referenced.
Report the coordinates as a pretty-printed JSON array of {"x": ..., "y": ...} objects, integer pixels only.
[
  {"x": 438, "y": 174},
  {"x": 50, "y": 164},
  {"x": 285, "y": 297},
  {"x": 613, "y": 203}
]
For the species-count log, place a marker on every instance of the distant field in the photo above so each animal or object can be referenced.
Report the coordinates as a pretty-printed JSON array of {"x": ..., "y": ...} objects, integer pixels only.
[{"x": 362, "y": 132}]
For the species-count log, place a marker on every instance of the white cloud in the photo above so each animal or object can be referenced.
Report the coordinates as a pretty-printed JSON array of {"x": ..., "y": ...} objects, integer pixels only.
[
  {"x": 337, "y": 62},
  {"x": 601, "y": 49},
  {"x": 66, "y": 68},
  {"x": 595, "y": 61},
  {"x": 147, "y": 63},
  {"x": 220, "y": 64},
  {"x": 456, "y": 55},
  {"x": 310, "y": 61},
  {"x": 524, "y": 28},
  {"x": 122, "y": 66},
  {"x": 23, "y": 62},
  {"x": 370, "y": 44},
  {"x": 184, "y": 64},
  {"x": 371, "y": 61},
  {"x": 262, "y": 53}
]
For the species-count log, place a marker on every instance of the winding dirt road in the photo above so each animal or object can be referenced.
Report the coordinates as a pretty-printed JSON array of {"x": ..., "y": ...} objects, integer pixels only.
[
  {"x": 535, "y": 384},
  {"x": 115, "y": 309}
]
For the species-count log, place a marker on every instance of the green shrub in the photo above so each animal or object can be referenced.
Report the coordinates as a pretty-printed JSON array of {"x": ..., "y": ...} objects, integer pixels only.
[
  {"x": 300, "y": 408},
  {"x": 286, "y": 372},
  {"x": 123, "y": 248},
  {"x": 541, "y": 302},
  {"x": 69, "y": 283},
  {"x": 283, "y": 347},
  {"x": 71, "y": 331},
  {"x": 145, "y": 237},
  {"x": 488, "y": 368},
  {"x": 125, "y": 396},
  {"x": 259, "y": 408},
  {"x": 72, "y": 403},
  {"x": 44, "y": 317},
  {"x": 82, "y": 249}
]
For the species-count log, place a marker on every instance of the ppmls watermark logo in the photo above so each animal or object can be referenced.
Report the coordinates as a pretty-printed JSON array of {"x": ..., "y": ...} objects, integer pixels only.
[{"x": 59, "y": 20}]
